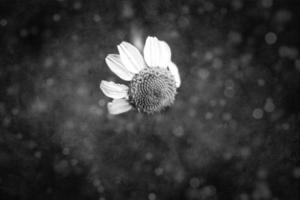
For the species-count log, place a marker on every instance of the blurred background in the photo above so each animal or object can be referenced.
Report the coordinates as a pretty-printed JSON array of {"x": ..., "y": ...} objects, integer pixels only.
[{"x": 233, "y": 132}]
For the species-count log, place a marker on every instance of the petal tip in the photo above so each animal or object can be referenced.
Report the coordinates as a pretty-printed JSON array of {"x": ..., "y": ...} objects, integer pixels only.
[{"x": 118, "y": 106}]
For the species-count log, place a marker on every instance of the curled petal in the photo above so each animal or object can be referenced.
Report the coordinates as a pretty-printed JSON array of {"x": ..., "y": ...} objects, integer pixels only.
[
  {"x": 114, "y": 90},
  {"x": 131, "y": 57},
  {"x": 118, "y": 106},
  {"x": 115, "y": 65},
  {"x": 174, "y": 70},
  {"x": 157, "y": 53}
]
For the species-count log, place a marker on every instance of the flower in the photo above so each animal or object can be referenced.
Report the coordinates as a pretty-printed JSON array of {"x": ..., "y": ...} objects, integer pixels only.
[{"x": 154, "y": 79}]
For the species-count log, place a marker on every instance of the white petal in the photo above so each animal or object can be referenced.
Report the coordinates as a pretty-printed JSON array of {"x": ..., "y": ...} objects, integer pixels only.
[
  {"x": 118, "y": 106},
  {"x": 174, "y": 70},
  {"x": 165, "y": 54},
  {"x": 131, "y": 57},
  {"x": 157, "y": 53},
  {"x": 114, "y": 90},
  {"x": 151, "y": 51},
  {"x": 115, "y": 65}
]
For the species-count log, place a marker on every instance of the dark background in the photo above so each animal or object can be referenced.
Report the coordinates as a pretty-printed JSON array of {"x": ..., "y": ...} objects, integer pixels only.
[{"x": 233, "y": 132}]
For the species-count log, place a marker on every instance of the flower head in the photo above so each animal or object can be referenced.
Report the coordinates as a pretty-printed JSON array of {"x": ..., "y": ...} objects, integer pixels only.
[{"x": 153, "y": 79}]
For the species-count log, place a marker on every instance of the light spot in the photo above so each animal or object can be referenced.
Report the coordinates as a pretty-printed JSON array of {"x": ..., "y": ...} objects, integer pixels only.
[
  {"x": 127, "y": 11},
  {"x": 288, "y": 52},
  {"x": 96, "y": 182},
  {"x": 173, "y": 34},
  {"x": 244, "y": 196},
  {"x": 217, "y": 63},
  {"x": 226, "y": 116},
  {"x": 62, "y": 167},
  {"x": 227, "y": 156},
  {"x": 66, "y": 151},
  {"x": 19, "y": 136},
  {"x": 267, "y": 3},
  {"x": 269, "y": 105},
  {"x": 12, "y": 90},
  {"x": 209, "y": 115},
  {"x": 194, "y": 182},
  {"x": 159, "y": 171},
  {"x": 62, "y": 62},
  {"x": 245, "y": 152},
  {"x": 200, "y": 10},
  {"x": 179, "y": 176},
  {"x": 15, "y": 111},
  {"x": 208, "y": 192},
  {"x": 234, "y": 37},
  {"x": 151, "y": 196},
  {"x": 208, "y": 6},
  {"x": 75, "y": 37},
  {"x": 24, "y": 33},
  {"x": 49, "y": 82},
  {"x": 203, "y": 74},
  {"x": 74, "y": 162},
  {"x": 257, "y": 113},
  {"x": 77, "y": 5},
  {"x": 101, "y": 102},
  {"x": 69, "y": 124},
  {"x": 149, "y": 156},
  {"x": 192, "y": 112},
  {"x": 178, "y": 131},
  {"x": 185, "y": 10},
  {"x": 237, "y": 4},
  {"x": 49, "y": 61},
  {"x": 208, "y": 56},
  {"x": 246, "y": 59},
  {"x": 100, "y": 189},
  {"x": 222, "y": 102},
  {"x": 39, "y": 106},
  {"x": 38, "y": 154},
  {"x": 262, "y": 173},
  {"x": 82, "y": 91},
  {"x": 213, "y": 103},
  {"x": 285, "y": 126},
  {"x": 31, "y": 144},
  {"x": 183, "y": 22},
  {"x": 3, "y": 22},
  {"x": 283, "y": 16},
  {"x": 270, "y": 38},
  {"x": 95, "y": 110},
  {"x": 261, "y": 82},
  {"x": 229, "y": 92},
  {"x": 261, "y": 191},
  {"x": 194, "y": 99},
  {"x": 296, "y": 172},
  {"x": 96, "y": 18},
  {"x": 136, "y": 35},
  {"x": 56, "y": 17}
]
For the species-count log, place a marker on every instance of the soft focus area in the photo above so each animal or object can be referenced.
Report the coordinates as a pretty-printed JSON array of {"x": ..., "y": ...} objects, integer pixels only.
[{"x": 232, "y": 134}]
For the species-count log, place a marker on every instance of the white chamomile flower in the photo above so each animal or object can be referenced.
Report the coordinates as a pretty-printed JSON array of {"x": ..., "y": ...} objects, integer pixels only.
[{"x": 153, "y": 79}]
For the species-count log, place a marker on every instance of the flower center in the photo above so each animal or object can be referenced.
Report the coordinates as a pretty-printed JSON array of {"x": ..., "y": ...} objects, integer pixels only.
[{"x": 152, "y": 89}]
